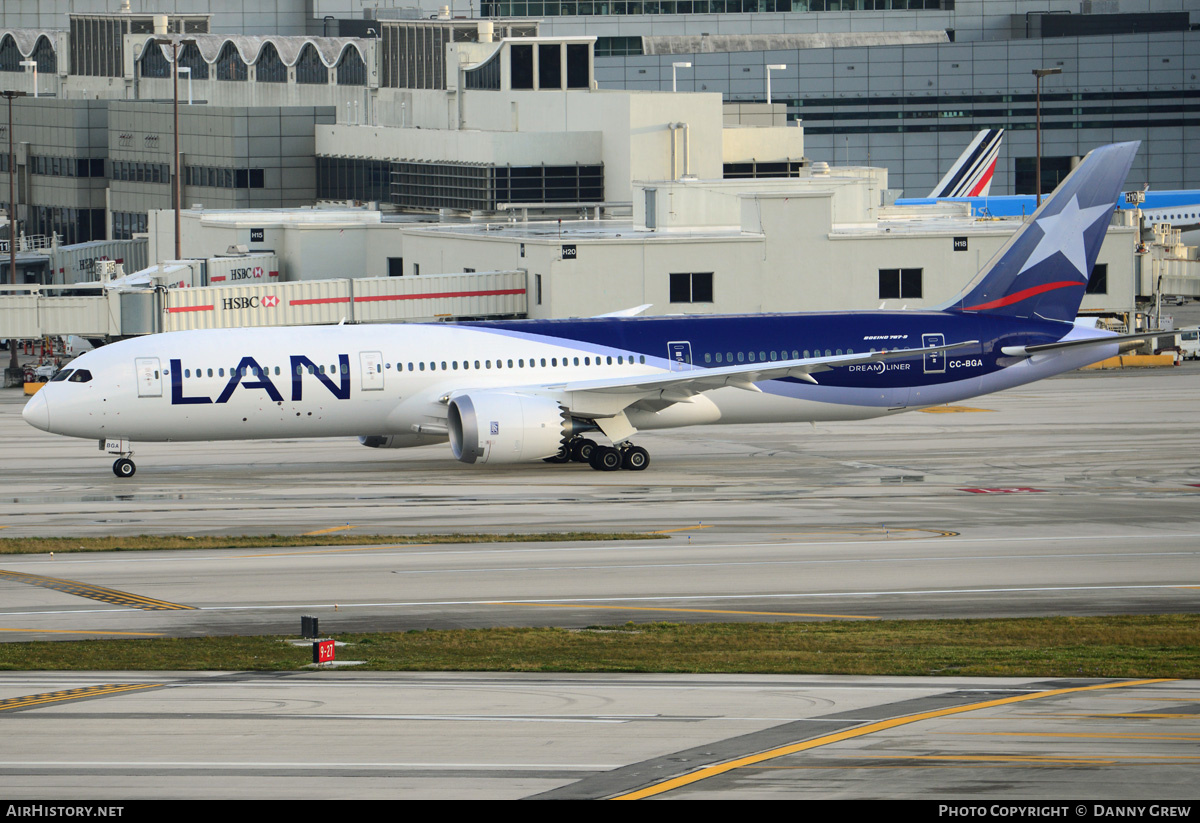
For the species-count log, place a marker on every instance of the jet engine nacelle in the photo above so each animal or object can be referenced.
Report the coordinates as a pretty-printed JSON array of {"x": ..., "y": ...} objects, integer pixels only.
[
  {"x": 498, "y": 427},
  {"x": 399, "y": 441}
]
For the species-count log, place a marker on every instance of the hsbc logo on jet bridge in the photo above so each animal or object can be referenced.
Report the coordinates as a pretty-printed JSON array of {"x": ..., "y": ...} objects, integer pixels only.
[
  {"x": 270, "y": 301},
  {"x": 246, "y": 273}
]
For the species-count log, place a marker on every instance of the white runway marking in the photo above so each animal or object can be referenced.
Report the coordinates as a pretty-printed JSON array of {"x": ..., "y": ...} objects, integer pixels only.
[
  {"x": 656, "y": 599},
  {"x": 664, "y": 545}
]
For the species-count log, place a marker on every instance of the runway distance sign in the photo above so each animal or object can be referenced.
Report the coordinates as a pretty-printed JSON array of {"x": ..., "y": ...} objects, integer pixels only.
[{"x": 323, "y": 651}]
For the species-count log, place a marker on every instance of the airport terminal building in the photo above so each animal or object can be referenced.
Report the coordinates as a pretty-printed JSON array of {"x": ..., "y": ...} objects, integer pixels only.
[
  {"x": 458, "y": 134},
  {"x": 898, "y": 83}
]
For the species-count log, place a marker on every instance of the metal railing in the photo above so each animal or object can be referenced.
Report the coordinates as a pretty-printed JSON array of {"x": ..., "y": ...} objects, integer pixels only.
[{"x": 31, "y": 242}]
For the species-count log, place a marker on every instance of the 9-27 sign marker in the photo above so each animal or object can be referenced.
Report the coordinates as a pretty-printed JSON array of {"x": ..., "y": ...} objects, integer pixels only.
[{"x": 323, "y": 651}]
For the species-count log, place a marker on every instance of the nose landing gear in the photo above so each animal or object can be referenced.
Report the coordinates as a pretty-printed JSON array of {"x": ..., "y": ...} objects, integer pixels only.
[{"x": 123, "y": 467}]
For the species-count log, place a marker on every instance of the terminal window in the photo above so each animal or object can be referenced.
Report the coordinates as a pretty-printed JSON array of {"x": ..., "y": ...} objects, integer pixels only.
[
  {"x": 1054, "y": 170},
  {"x": 899, "y": 283},
  {"x": 521, "y": 66},
  {"x": 692, "y": 287}
]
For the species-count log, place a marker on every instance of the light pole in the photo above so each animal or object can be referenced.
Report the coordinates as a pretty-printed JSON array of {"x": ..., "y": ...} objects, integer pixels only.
[
  {"x": 674, "y": 68},
  {"x": 33, "y": 65},
  {"x": 175, "y": 44},
  {"x": 773, "y": 67},
  {"x": 12, "y": 214},
  {"x": 1039, "y": 74}
]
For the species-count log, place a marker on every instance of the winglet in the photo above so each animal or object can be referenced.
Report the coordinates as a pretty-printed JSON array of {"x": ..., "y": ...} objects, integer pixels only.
[{"x": 634, "y": 312}]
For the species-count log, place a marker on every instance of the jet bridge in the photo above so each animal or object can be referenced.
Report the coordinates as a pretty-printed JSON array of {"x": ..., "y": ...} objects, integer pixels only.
[{"x": 91, "y": 310}]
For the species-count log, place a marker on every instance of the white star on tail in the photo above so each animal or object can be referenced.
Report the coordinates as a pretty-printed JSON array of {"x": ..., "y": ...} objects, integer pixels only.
[{"x": 1063, "y": 232}]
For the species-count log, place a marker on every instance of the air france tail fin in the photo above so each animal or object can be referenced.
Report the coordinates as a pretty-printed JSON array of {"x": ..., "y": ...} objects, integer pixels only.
[
  {"x": 1043, "y": 269},
  {"x": 971, "y": 174}
]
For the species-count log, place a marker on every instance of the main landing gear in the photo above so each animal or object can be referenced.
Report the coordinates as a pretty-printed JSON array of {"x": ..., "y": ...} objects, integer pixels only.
[{"x": 602, "y": 458}]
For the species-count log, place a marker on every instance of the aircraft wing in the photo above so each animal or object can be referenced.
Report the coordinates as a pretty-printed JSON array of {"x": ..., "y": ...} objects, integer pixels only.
[
  {"x": 1028, "y": 351},
  {"x": 611, "y": 396}
]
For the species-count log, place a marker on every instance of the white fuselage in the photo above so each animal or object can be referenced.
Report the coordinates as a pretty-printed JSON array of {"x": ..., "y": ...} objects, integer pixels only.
[{"x": 394, "y": 380}]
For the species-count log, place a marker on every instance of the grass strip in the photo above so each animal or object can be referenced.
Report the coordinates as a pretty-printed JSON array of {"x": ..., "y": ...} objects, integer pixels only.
[
  {"x": 153, "y": 542},
  {"x": 1121, "y": 646}
]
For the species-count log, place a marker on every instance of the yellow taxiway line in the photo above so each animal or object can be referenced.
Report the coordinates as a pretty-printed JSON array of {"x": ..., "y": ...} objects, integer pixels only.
[
  {"x": 84, "y": 631},
  {"x": 104, "y": 594},
  {"x": 861, "y": 731},
  {"x": 73, "y": 694},
  {"x": 327, "y": 531}
]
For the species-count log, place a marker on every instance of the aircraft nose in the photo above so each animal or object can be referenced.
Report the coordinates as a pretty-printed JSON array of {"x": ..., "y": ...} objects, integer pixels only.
[{"x": 37, "y": 411}]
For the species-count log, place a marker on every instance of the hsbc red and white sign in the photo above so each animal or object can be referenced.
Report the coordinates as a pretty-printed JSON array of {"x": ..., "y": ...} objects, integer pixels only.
[
  {"x": 246, "y": 273},
  {"x": 269, "y": 301}
]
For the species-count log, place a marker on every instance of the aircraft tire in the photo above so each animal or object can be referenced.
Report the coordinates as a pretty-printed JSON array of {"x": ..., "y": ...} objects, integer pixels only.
[
  {"x": 581, "y": 450},
  {"x": 605, "y": 459},
  {"x": 124, "y": 468},
  {"x": 563, "y": 456},
  {"x": 635, "y": 458}
]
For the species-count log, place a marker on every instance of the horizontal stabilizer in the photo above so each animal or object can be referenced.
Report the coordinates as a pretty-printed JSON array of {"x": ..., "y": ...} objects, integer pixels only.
[{"x": 1026, "y": 351}]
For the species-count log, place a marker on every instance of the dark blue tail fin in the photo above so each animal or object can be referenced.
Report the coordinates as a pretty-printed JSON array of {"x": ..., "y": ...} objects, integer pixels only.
[{"x": 1043, "y": 269}]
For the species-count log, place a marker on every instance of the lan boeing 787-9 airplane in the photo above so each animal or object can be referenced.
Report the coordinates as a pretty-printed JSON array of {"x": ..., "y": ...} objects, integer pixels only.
[{"x": 528, "y": 390}]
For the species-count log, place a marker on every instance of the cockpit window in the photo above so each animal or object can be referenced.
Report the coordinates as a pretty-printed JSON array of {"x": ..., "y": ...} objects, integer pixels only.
[
  {"x": 62, "y": 375},
  {"x": 81, "y": 376}
]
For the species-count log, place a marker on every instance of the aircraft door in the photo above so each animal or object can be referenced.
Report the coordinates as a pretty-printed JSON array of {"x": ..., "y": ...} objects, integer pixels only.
[
  {"x": 680, "y": 353},
  {"x": 371, "y": 364},
  {"x": 149, "y": 376},
  {"x": 935, "y": 362}
]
